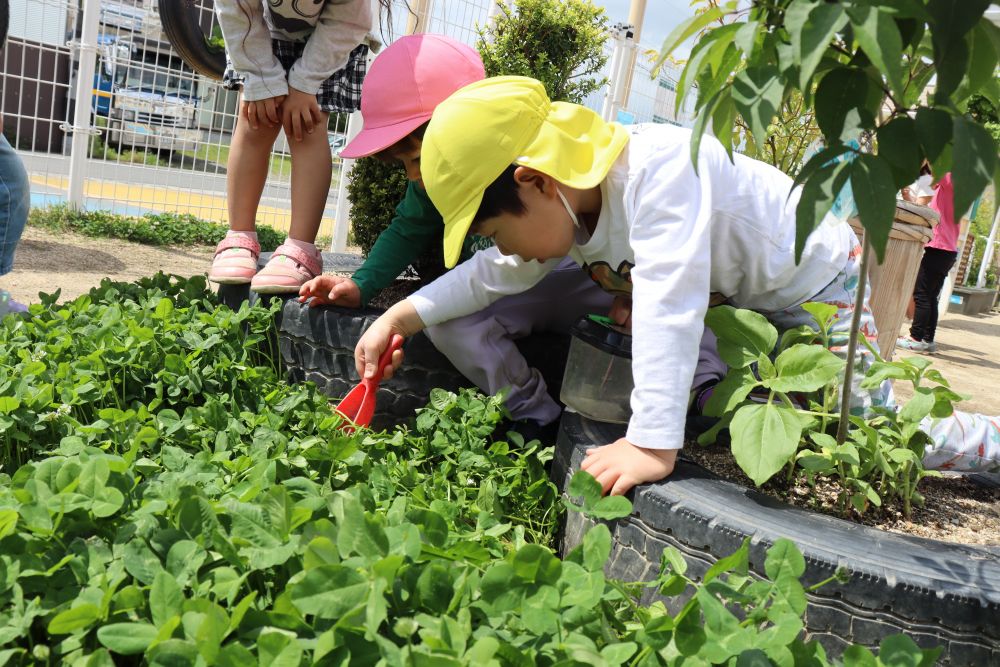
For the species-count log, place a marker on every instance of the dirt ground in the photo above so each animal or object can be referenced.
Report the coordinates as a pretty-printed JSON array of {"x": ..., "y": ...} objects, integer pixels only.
[
  {"x": 45, "y": 262},
  {"x": 969, "y": 358}
]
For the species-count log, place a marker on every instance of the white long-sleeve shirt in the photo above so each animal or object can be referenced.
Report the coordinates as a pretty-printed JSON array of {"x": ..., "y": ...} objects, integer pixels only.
[
  {"x": 670, "y": 237},
  {"x": 331, "y": 29}
]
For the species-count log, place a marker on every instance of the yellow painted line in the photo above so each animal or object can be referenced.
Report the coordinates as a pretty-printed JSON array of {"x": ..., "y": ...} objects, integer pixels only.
[{"x": 205, "y": 206}]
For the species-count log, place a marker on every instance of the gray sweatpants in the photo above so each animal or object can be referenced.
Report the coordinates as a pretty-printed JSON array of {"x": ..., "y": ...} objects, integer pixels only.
[{"x": 482, "y": 347}]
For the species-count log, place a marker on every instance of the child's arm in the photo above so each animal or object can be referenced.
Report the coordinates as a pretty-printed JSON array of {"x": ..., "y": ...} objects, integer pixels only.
[
  {"x": 341, "y": 28},
  {"x": 466, "y": 289},
  {"x": 475, "y": 284},
  {"x": 416, "y": 226},
  {"x": 669, "y": 232},
  {"x": 248, "y": 43}
]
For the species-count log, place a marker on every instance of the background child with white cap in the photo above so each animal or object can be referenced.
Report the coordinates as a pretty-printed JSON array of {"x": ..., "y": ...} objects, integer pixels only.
[
  {"x": 406, "y": 83},
  {"x": 546, "y": 180}
]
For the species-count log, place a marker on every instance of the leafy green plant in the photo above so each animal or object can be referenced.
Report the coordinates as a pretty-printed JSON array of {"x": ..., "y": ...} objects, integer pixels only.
[
  {"x": 779, "y": 403},
  {"x": 863, "y": 67},
  {"x": 170, "y": 500},
  {"x": 559, "y": 43},
  {"x": 151, "y": 229}
]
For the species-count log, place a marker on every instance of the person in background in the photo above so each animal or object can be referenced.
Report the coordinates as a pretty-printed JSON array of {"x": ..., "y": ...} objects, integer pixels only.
[
  {"x": 940, "y": 254},
  {"x": 296, "y": 63},
  {"x": 15, "y": 194}
]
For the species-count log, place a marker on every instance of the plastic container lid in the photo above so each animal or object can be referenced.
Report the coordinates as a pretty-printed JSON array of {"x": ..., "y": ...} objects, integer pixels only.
[{"x": 601, "y": 332}]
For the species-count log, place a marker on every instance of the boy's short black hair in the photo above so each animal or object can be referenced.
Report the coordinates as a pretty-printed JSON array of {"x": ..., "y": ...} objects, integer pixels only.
[{"x": 500, "y": 197}]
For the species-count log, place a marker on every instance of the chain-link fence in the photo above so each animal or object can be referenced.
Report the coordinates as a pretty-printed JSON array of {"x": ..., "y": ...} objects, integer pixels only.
[{"x": 154, "y": 136}]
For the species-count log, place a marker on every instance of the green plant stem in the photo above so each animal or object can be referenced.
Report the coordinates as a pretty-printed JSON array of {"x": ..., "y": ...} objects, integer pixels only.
[{"x": 852, "y": 344}]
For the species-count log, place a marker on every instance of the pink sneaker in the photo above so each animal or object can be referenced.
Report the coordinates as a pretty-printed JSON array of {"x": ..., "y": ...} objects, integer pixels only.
[
  {"x": 288, "y": 269},
  {"x": 235, "y": 260}
]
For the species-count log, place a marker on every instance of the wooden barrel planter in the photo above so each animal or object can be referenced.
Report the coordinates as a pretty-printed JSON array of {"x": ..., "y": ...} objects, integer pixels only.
[{"x": 892, "y": 281}]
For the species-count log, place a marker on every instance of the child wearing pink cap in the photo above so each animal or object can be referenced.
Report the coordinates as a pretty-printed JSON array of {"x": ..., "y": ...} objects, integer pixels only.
[
  {"x": 406, "y": 83},
  {"x": 295, "y": 66}
]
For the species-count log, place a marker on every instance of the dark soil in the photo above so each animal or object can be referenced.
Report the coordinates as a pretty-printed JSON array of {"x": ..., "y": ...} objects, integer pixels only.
[
  {"x": 396, "y": 292},
  {"x": 956, "y": 509}
]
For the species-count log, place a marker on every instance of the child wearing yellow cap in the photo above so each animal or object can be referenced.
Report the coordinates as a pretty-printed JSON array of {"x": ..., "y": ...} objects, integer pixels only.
[{"x": 546, "y": 180}]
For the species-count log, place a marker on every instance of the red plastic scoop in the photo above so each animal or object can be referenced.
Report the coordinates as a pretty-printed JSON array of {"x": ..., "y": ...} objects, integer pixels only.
[{"x": 358, "y": 406}]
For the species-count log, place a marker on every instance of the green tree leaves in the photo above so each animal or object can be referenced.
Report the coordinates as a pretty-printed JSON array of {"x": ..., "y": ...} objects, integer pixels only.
[
  {"x": 757, "y": 93},
  {"x": 811, "y": 26},
  {"x": 863, "y": 69}
]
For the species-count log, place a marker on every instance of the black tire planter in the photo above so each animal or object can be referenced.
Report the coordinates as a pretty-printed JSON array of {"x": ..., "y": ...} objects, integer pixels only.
[
  {"x": 317, "y": 345},
  {"x": 183, "y": 23},
  {"x": 939, "y": 594}
]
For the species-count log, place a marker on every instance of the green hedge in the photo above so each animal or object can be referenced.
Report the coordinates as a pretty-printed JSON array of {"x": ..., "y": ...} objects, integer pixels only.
[{"x": 151, "y": 229}]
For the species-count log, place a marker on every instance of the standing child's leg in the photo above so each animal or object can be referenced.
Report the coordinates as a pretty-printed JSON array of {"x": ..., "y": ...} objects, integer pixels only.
[
  {"x": 235, "y": 260},
  {"x": 297, "y": 260}
]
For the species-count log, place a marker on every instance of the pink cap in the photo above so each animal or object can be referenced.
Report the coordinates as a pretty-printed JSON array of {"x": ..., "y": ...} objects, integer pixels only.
[{"x": 405, "y": 84}]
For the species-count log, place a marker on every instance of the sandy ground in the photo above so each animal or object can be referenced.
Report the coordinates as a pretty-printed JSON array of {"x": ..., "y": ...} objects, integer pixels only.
[
  {"x": 45, "y": 262},
  {"x": 968, "y": 347},
  {"x": 969, "y": 358}
]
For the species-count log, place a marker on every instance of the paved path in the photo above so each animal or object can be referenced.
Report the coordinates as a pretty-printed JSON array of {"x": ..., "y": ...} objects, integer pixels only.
[{"x": 135, "y": 189}]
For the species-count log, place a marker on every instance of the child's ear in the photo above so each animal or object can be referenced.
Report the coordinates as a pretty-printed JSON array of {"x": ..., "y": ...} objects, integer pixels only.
[{"x": 528, "y": 177}]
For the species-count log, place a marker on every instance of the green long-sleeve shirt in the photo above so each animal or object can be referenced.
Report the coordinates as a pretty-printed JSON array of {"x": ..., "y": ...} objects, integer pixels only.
[{"x": 416, "y": 227}]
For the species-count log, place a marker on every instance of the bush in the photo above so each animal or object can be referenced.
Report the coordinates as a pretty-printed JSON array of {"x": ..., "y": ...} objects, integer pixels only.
[
  {"x": 150, "y": 229},
  {"x": 559, "y": 43}
]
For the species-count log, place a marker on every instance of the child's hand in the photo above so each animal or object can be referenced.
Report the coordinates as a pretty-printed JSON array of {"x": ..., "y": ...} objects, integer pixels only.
[
  {"x": 335, "y": 290},
  {"x": 300, "y": 110},
  {"x": 621, "y": 465},
  {"x": 260, "y": 111},
  {"x": 621, "y": 311},
  {"x": 371, "y": 346}
]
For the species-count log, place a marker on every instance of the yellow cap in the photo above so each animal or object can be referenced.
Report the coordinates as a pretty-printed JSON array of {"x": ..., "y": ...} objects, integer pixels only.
[{"x": 486, "y": 126}]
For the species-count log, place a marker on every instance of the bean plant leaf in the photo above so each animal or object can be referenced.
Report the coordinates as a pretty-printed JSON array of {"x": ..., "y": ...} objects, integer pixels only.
[
  {"x": 730, "y": 392},
  {"x": 536, "y": 564},
  {"x": 765, "y": 438},
  {"x": 583, "y": 484},
  {"x": 875, "y": 195},
  {"x": 902, "y": 650},
  {"x": 71, "y": 620},
  {"x": 127, "y": 638},
  {"x": 743, "y": 335},
  {"x": 596, "y": 547},
  {"x": 610, "y": 508},
  {"x": 330, "y": 591},
  {"x": 805, "y": 368},
  {"x": 919, "y": 406},
  {"x": 974, "y": 171},
  {"x": 165, "y": 599},
  {"x": 812, "y": 26}
]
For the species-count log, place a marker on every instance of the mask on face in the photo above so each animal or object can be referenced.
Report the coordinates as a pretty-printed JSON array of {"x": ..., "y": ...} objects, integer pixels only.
[{"x": 572, "y": 215}]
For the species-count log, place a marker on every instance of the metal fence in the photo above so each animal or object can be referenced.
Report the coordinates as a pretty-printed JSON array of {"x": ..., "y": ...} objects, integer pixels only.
[{"x": 161, "y": 143}]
